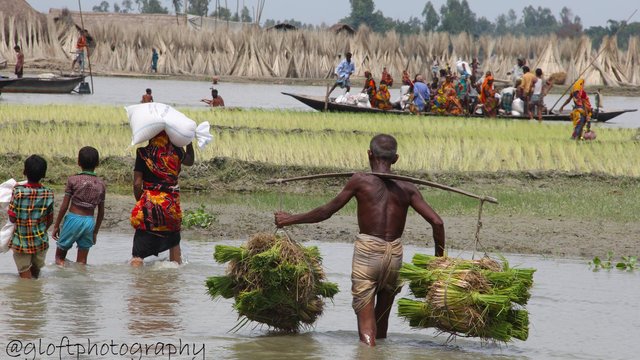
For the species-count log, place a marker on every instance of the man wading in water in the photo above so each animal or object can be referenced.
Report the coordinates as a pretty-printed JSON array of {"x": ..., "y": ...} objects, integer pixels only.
[{"x": 377, "y": 257}]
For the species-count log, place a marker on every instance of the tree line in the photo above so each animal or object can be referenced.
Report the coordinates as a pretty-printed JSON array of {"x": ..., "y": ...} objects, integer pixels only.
[{"x": 454, "y": 17}]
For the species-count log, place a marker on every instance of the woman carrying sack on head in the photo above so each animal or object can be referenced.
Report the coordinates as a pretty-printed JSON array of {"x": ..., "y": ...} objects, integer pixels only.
[{"x": 157, "y": 216}]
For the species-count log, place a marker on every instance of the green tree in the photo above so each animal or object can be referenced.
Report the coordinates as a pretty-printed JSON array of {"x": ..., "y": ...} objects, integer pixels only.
[
  {"x": 483, "y": 26},
  {"x": 177, "y": 5},
  {"x": 151, "y": 7},
  {"x": 412, "y": 26},
  {"x": 245, "y": 16},
  {"x": 431, "y": 18},
  {"x": 198, "y": 7},
  {"x": 501, "y": 25},
  {"x": 538, "y": 21},
  {"x": 116, "y": 7},
  {"x": 457, "y": 17},
  {"x": 570, "y": 26},
  {"x": 127, "y": 6},
  {"x": 103, "y": 7},
  {"x": 222, "y": 13}
]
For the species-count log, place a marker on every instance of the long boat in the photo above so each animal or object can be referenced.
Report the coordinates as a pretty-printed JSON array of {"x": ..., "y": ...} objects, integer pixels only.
[
  {"x": 318, "y": 103},
  {"x": 55, "y": 85}
]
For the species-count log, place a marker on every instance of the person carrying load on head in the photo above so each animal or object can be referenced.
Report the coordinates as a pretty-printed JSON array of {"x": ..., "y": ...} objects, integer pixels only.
[
  {"x": 581, "y": 113},
  {"x": 345, "y": 69}
]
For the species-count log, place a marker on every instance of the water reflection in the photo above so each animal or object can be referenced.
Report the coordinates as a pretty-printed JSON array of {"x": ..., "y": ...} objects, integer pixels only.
[
  {"x": 153, "y": 300},
  {"x": 26, "y": 313},
  {"x": 298, "y": 346},
  {"x": 77, "y": 308}
]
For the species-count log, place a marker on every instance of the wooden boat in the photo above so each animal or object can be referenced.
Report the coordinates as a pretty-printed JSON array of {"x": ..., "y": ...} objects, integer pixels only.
[
  {"x": 43, "y": 85},
  {"x": 318, "y": 103},
  {"x": 6, "y": 82}
]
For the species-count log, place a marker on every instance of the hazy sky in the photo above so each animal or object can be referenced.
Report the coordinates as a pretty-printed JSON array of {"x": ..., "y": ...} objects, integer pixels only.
[{"x": 592, "y": 12}]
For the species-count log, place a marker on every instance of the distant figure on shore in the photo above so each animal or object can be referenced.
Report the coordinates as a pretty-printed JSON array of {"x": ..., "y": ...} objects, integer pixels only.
[
  {"x": 344, "y": 71},
  {"x": 147, "y": 97},
  {"x": 154, "y": 60},
  {"x": 19, "y": 62},
  {"x": 81, "y": 44},
  {"x": 215, "y": 79},
  {"x": 216, "y": 100}
]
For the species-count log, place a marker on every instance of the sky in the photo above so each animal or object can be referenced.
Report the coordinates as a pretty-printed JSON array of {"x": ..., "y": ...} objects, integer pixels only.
[{"x": 592, "y": 12}]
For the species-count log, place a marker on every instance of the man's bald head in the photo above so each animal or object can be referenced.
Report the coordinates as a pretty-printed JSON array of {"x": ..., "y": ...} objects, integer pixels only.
[{"x": 384, "y": 147}]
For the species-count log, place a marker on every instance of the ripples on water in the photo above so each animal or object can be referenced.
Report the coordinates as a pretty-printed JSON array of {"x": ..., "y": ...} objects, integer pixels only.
[{"x": 574, "y": 312}]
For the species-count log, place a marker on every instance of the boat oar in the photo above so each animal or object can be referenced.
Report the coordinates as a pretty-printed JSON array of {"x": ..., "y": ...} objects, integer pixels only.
[
  {"x": 591, "y": 63},
  {"x": 387, "y": 176}
]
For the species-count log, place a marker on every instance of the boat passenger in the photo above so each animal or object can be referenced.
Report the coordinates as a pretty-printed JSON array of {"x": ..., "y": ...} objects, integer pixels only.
[
  {"x": 383, "y": 98},
  {"x": 369, "y": 87},
  {"x": 420, "y": 94},
  {"x": 19, "y": 69},
  {"x": 386, "y": 77},
  {"x": 488, "y": 96}
]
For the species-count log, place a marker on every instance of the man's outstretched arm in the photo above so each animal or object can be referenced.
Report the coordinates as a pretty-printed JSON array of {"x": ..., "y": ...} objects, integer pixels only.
[
  {"x": 421, "y": 207},
  {"x": 320, "y": 213}
]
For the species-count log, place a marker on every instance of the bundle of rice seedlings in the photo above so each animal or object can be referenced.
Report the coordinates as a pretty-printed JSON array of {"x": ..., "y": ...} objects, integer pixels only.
[
  {"x": 274, "y": 281},
  {"x": 473, "y": 298}
]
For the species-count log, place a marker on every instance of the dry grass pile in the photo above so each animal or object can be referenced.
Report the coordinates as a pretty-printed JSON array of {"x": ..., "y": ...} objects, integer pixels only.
[
  {"x": 472, "y": 298},
  {"x": 274, "y": 281}
]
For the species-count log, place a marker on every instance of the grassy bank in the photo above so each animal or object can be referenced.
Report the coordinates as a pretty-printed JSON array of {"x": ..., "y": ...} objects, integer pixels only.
[
  {"x": 426, "y": 144},
  {"x": 532, "y": 168}
]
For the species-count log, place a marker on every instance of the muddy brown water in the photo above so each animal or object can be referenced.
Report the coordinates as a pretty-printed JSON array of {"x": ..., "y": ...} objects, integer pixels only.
[
  {"x": 113, "y": 311},
  {"x": 183, "y": 93}
]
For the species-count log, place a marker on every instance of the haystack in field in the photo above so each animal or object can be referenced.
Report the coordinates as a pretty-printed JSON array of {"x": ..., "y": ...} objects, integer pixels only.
[
  {"x": 274, "y": 281},
  {"x": 472, "y": 298}
]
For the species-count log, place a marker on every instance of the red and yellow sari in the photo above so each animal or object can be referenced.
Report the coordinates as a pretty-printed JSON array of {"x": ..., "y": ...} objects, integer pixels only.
[{"x": 159, "y": 206}]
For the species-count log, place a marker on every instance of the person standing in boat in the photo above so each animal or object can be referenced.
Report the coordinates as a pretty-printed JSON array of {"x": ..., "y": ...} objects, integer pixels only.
[
  {"x": 19, "y": 69},
  {"x": 345, "y": 69}
]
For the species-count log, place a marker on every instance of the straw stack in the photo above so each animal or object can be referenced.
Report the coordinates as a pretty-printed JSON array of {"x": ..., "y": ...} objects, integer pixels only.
[
  {"x": 274, "y": 281},
  {"x": 473, "y": 298}
]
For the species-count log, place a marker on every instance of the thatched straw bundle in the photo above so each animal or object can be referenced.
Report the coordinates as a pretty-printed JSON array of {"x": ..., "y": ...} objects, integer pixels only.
[
  {"x": 473, "y": 298},
  {"x": 274, "y": 281}
]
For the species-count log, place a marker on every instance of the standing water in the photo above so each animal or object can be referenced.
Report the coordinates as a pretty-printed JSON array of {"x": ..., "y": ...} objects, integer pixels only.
[
  {"x": 114, "y": 311},
  {"x": 127, "y": 91}
]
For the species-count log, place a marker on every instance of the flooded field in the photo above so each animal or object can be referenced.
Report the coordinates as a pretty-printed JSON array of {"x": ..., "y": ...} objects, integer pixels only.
[
  {"x": 125, "y": 91},
  {"x": 575, "y": 313}
]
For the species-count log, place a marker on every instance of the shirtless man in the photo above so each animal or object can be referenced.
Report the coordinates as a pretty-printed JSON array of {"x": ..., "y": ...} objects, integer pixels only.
[{"x": 382, "y": 213}]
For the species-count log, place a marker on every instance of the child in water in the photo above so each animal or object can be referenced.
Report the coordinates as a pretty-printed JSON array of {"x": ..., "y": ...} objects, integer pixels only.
[{"x": 84, "y": 192}]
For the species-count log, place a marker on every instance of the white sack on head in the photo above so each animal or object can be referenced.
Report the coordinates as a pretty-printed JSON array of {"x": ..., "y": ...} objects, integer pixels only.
[
  {"x": 203, "y": 134},
  {"x": 146, "y": 121},
  {"x": 6, "y": 235},
  {"x": 6, "y": 190},
  {"x": 180, "y": 129}
]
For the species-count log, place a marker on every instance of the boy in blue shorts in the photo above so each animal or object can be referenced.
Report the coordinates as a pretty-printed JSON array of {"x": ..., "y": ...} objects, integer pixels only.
[
  {"x": 84, "y": 192},
  {"x": 31, "y": 209}
]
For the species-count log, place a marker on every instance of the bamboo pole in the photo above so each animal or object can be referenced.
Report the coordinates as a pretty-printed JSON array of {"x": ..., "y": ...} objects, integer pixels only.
[{"x": 387, "y": 176}]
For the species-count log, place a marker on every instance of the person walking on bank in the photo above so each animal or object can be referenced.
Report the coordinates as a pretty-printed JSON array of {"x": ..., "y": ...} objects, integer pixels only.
[
  {"x": 154, "y": 60},
  {"x": 382, "y": 212}
]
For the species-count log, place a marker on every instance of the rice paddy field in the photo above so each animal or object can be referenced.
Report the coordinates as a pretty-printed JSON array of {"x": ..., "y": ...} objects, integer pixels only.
[{"x": 289, "y": 138}]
